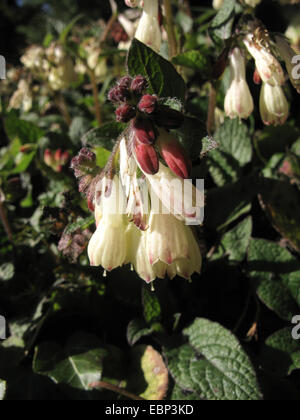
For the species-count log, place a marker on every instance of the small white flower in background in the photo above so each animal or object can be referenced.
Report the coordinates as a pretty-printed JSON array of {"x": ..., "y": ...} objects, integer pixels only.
[
  {"x": 238, "y": 100},
  {"x": 107, "y": 247},
  {"x": 274, "y": 107},
  {"x": 22, "y": 98},
  {"x": 252, "y": 3},
  {"x": 33, "y": 58},
  {"x": 148, "y": 30},
  {"x": 217, "y": 4},
  {"x": 267, "y": 65}
]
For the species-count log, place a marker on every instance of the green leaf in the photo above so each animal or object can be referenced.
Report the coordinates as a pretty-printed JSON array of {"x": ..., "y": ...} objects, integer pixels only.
[
  {"x": 221, "y": 25},
  {"x": 2, "y": 389},
  {"x": 104, "y": 136},
  {"x": 137, "y": 328},
  {"x": 281, "y": 201},
  {"x": 148, "y": 376},
  {"x": 78, "y": 128},
  {"x": 80, "y": 224},
  {"x": 24, "y": 161},
  {"x": 181, "y": 394},
  {"x": 162, "y": 77},
  {"x": 235, "y": 242},
  {"x": 25, "y": 131},
  {"x": 226, "y": 204},
  {"x": 190, "y": 135},
  {"x": 234, "y": 152},
  {"x": 7, "y": 271},
  {"x": 277, "y": 275},
  {"x": 66, "y": 31},
  {"x": 102, "y": 156},
  {"x": 226, "y": 365},
  {"x": 281, "y": 353},
  {"x": 196, "y": 60},
  {"x": 151, "y": 305},
  {"x": 78, "y": 365}
]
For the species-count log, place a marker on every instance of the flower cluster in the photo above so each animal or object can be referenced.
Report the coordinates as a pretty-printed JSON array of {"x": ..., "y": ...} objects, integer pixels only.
[
  {"x": 274, "y": 107},
  {"x": 56, "y": 159},
  {"x": 142, "y": 201}
]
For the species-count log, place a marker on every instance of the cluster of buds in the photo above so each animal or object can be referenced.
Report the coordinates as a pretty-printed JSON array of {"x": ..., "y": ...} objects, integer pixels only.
[
  {"x": 149, "y": 125},
  {"x": 56, "y": 159},
  {"x": 148, "y": 30},
  {"x": 274, "y": 107}
]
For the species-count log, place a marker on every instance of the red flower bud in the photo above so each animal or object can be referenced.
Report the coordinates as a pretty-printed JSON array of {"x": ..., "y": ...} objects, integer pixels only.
[
  {"x": 256, "y": 77},
  {"x": 144, "y": 131},
  {"x": 125, "y": 113},
  {"x": 138, "y": 85},
  {"x": 119, "y": 94},
  {"x": 125, "y": 82},
  {"x": 174, "y": 154},
  {"x": 148, "y": 104},
  {"x": 146, "y": 157},
  {"x": 58, "y": 155},
  {"x": 168, "y": 118}
]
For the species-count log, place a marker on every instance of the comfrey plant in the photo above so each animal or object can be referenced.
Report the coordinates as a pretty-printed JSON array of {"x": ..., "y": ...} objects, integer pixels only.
[
  {"x": 142, "y": 200},
  {"x": 252, "y": 40}
]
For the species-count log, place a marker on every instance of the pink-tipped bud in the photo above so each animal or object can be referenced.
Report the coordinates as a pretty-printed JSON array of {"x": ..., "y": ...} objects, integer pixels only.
[
  {"x": 48, "y": 157},
  {"x": 168, "y": 118},
  {"x": 119, "y": 94},
  {"x": 125, "y": 113},
  {"x": 65, "y": 157},
  {"x": 256, "y": 77},
  {"x": 139, "y": 85},
  {"x": 58, "y": 155},
  {"x": 125, "y": 82},
  {"x": 144, "y": 131},
  {"x": 148, "y": 104},
  {"x": 146, "y": 157},
  {"x": 174, "y": 154}
]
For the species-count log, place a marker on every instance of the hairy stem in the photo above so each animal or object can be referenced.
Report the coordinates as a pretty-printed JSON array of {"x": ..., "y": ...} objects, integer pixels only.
[
  {"x": 170, "y": 28},
  {"x": 96, "y": 96},
  {"x": 211, "y": 109},
  {"x": 62, "y": 106},
  {"x": 116, "y": 389}
]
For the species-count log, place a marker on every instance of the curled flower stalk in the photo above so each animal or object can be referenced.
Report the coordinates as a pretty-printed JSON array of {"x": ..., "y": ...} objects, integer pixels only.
[{"x": 142, "y": 201}]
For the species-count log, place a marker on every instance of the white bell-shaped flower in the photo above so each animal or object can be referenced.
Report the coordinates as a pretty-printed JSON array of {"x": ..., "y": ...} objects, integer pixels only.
[
  {"x": 274, "y": 107},
  {"x": 238, "y": 100},
  {"x": 148, "y": 30}
]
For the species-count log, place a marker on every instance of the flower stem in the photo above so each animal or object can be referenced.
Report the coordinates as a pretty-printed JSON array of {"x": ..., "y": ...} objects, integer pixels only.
[
  {"x": 116, "y": 389},
  {"x": 170, "y": 28},
  {"x": 62, "y": 106},
  {"x": 211, "y": 109},
  {"x": 96, "y": 96}
]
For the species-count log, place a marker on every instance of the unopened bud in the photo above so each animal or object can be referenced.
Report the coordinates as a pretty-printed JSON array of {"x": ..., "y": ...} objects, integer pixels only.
[
  {"x": 84, "y": 163},
  {"x": 146, "y": 157},
  {"x": 48, "y": 157},
  {"x": 118, "y": 94},
  {"x": 174, "y": 154},
  {"x": 125, "y": 82},
  {"x": 144, "y": 131},
  {"x": 168, "y": 118},
  {"x": 256, "y": 77},
  {"x": 148, "y": 104},
  {"x": 139, "y": 85},
  {"x": 125, "y": 113}
]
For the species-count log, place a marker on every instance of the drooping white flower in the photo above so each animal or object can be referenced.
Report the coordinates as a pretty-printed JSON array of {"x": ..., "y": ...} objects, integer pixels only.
[
  {"x": 178, "y": 196},
  {"x": 148, "y": 30},
  {"x": 252, "y": 3},
  {"x": 238, "y": 100},
  {"x": 267, "y": 65},
  {"x": 107, "y": 247},
  {"x": 217, "y": 4},
  {"x": 33, "y": 58},
  {"x": 274, "y": 107},
  {"x": 22, "y": 97}
]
